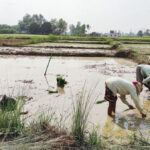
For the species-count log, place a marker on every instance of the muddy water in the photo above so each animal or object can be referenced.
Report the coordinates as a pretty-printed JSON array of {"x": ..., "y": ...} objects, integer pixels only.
[{"x": 25, "y": 76}]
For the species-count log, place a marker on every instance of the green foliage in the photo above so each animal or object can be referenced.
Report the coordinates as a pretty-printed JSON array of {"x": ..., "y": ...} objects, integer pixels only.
[
  {"x": 6, "y": 29},
  {"x": 28, "y": 20},
  {"x": 109, "y": 41},
  {"x": 140, "y": 33},
  {"x": 138, "y": 141},
  {"x": 11, "y": 123},
  {"x": 51, "y": 92},
  {"x": 41, "y": 123},
  {"x": 79, "y": 30},
  {"x": 34, "y": 28},
  {"x": 115, "y": 45},
  {"x": 134, "y": 55},
  {"x": 61, "y": 82},
  {"x": 126, "y": 53},
  {"x": 81, "y": 110},
  {"x": 95, "y": 141},
  {"x": 100, "y": 102},
  {"x": 59, "y": 27},
  {"x": 46, "y": 28}
]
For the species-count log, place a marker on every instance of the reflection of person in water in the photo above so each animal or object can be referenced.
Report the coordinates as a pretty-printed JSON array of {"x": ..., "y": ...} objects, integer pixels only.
[
  {"x": 143, "y": 74},
  {"x": 123, "y": 87}
]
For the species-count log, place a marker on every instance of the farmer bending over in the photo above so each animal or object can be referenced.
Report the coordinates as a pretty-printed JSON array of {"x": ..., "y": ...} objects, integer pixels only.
[
  {"x": 143, "y": 75},
  {"x": 123, "y": 87}
]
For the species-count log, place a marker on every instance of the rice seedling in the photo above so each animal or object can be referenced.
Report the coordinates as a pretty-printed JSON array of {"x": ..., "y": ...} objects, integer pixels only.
[{"x": 61, "y": 82}]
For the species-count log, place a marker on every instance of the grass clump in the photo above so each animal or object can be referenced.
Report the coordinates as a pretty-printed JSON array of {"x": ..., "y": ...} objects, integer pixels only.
[
  {"x": 126, "y": 53},
  {"x": 61, "y": 82},
  {"x": 40, "y": 124},
  {"x": 95, "y": 140},
  {"x": 81, "y": 110},
  {"x": 116, "y": 45},
  {"x": 134, "y": 55},
  {"x": 11, "y": 123},
  {"x": 139, "y": 141}
]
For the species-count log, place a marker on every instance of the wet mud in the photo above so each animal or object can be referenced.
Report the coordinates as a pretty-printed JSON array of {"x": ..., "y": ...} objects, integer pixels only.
[
  {"x": 55, "y": 51},
  {"x": 4, "y": 42},
  {"x": 79, "y": 72}
]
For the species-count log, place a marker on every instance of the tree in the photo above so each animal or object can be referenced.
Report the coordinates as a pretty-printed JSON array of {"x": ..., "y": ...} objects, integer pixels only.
[
  {"x": 46, "y": 28},
  {"x": 140, "y": 33},
  {"x": 39, "y": 19},
  {"x": 53, "y": 23},
  {"x": 25, "y": 23},
  {"x": 72, "y": 29},
  {"x": 79, "y": 30},
  {"x": 61, "y": 27},
  {"x": 147, "y": 32},
  {"x": 34, "y": 28},
  {"x": 58, "y": 27},
  {"x": 5, "y": 29},
  {"x": 29, "y": 20}
]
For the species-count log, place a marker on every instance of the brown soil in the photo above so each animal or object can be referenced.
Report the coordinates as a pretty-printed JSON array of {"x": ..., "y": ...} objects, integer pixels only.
[
  {"x": 48, "y": 139},
  {"x": 4, "y": 42},
  {"x": 45, "y": 51}
]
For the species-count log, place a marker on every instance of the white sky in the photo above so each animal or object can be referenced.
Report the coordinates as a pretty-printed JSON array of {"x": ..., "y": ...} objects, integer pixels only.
[{"x": 102, "y": 15}]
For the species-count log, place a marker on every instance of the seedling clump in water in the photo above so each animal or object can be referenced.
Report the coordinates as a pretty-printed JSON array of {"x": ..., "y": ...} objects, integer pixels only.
[{"x": 61, "y": 82}]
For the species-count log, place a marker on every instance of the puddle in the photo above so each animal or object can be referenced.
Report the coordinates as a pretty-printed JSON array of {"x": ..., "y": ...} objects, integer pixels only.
[{"x": 77, "y": 71}]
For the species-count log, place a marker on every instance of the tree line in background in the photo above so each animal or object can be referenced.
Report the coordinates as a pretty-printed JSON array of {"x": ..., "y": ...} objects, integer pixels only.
[
  {"x": 37, "y": 24},
  {"x": 143, "y": 33}
]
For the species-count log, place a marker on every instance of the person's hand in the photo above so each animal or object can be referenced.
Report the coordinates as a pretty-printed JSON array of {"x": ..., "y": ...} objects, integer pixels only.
[{"x": 143, "y": 115}]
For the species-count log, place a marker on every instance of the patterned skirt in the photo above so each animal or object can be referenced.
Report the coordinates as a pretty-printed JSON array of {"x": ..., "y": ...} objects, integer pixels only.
[{"x": 109, "y": 96}]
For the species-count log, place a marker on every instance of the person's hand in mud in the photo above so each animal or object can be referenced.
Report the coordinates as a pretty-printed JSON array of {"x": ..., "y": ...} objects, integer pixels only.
[{"x": 143, "y": 115}]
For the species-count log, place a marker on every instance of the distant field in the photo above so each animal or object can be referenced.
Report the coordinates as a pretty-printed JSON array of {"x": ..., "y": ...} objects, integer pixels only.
[
  {"x": 86, "y": 38},
  {"x": 141, "y": 48},
  {"x": 139, "y": 44}
]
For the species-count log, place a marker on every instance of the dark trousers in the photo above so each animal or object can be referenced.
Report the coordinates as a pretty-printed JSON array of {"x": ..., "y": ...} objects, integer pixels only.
[{"x": 109, "y": 96}]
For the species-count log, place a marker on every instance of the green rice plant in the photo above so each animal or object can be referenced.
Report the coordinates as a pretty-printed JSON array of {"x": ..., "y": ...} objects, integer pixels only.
[
  {"x": 95, "y": 140},
  {"x": 81, "y": 109},
  {"x": 11, "y": 123},
  {"x": 61, "y": 82}
]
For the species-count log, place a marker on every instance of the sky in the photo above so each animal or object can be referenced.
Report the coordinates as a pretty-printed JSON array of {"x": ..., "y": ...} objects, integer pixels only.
[{"x": 101, "y": 15}]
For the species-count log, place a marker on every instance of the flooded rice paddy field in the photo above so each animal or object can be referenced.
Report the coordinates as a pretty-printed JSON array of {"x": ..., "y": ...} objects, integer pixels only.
[{"x": 25, "y": 76}]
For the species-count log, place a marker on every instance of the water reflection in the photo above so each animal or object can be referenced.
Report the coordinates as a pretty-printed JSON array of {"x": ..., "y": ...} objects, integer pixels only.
[
  {"x": 60, "y": 90},
  {"x": 122, "y": 124}
]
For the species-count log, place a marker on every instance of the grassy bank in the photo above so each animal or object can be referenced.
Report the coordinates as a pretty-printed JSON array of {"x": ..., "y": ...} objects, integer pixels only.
[{"x": 32, "y": 39}]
